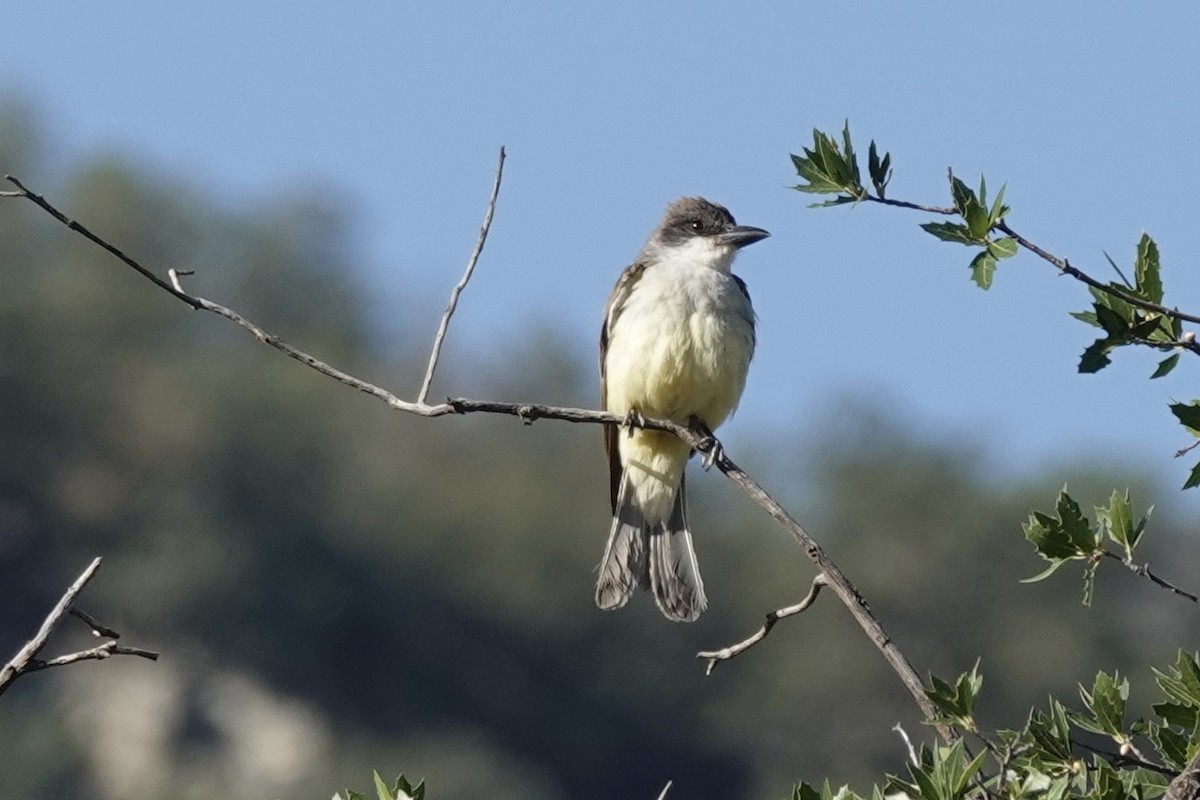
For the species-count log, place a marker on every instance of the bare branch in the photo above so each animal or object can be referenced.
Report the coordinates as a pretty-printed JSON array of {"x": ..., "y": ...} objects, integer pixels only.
[
  {"x": 887, "y": 201},
  {"x": 99, "y": 652},
  {"x": 529, "y": 412},
  {"x": 26, "y": 660},
  {"x": 663, "y": 794},
  {"x": 20, "y": 662},
  {"x": 715, "y": 657},
  {"x": 462, "y": 283}
]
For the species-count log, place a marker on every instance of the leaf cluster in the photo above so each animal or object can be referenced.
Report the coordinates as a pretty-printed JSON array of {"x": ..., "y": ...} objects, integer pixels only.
[
  {"x": 400, "y": 790},
  {"x": 830, "y": 168},
  {"x": 1123, "y": 322},
  {"x": 1128, "y": 312},
  {"x": 1045, "y": 759},
  {"x": 1069, "y": 535}
]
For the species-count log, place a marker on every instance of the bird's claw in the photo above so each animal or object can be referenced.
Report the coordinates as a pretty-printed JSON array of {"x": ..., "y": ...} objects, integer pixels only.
[
  {"x": 633, "y": 420},
  {"x": 709, "y": 446},
  {"x": 711, "y": 451}
]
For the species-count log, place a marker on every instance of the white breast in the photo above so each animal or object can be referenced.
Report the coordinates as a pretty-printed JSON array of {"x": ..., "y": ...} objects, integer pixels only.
[{"x": 681, "y": 345}]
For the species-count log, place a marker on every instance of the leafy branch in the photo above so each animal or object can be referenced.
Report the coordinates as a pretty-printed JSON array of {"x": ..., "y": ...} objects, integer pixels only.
[
  {"x": 1046, "y": 758},
  {"x": 1127, "y": 312}
]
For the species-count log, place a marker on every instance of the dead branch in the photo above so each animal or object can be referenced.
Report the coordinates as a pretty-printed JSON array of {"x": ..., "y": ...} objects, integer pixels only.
[
  {"x": 529, "y": 412},
  {"x": 423, "y": 395},
  {"x": 26, "y": 660},
  {"x": 715, "y": 657}
]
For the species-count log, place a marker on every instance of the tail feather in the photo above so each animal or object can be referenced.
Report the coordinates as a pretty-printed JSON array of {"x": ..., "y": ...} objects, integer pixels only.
[
  {"x": 674, "y": 572},
  {"x": 655, "y": 556},
  {"x": 623, "y": 567}
]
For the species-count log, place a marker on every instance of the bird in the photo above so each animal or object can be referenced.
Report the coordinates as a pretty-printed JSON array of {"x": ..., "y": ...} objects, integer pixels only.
[{"x": 676, "y": 343}]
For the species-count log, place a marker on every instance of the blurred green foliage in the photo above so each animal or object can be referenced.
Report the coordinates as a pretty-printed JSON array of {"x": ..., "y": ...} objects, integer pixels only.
[{"x": 336, "y": 587}]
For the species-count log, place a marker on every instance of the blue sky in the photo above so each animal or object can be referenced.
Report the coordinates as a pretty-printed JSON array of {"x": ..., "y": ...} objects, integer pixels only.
[{"x": 1088, "y": 111}]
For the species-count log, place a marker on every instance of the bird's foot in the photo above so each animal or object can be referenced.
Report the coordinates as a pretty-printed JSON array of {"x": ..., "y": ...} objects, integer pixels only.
[
  {"x": 711, "y": 450},
  {"x": 633, "y": 420}
]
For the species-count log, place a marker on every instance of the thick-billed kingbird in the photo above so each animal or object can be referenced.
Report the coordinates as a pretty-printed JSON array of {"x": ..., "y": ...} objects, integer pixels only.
[{"x": 676, "y": 343}]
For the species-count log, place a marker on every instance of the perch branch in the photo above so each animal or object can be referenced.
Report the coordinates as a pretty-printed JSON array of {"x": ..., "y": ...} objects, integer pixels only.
[
  {"x": 715, "y": 657},
  {"x": 528, "y": 412},
  {"x": 423, "y": 395}
]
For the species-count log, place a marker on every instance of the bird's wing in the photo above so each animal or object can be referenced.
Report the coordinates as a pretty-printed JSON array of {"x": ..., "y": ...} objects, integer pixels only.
[
  {"x": 612, "y": 310},
  {"x": 741, "y": 284}
]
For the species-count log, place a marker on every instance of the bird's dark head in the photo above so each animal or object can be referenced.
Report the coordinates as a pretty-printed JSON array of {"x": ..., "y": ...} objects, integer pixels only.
[{"x": 704, "y": 230}]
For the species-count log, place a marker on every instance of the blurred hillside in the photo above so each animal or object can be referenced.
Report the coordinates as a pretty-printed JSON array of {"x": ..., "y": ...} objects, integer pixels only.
[{"x": 336, "y": 587}]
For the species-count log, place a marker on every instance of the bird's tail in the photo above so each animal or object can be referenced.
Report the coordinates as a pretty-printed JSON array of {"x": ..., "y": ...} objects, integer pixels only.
[{"x": 655, "y": 556}]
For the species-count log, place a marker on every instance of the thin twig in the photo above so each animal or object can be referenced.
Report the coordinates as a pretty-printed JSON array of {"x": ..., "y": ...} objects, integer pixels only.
[
  {"x": 1123, "y": 760},
  {"x": 715, "y": 657},
  {"x": 93, "y": 623},
  {"x": 1065, "y": 268},
  {"x": 462, "y": 282},
  {"x": 662, "y": 795},
  {"x": 887, "y": 201},
  {"x": 1143, "y": 570},
  {"x": 529, "y": 412},
  {"x": 1183, "y": 451},
  {"x": 99, "y": 652}
]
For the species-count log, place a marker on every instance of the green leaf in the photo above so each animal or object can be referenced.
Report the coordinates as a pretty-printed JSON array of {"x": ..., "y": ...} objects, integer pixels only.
[
  {"x": 1004, "y": 247},
  {"x": 381, "y": 788},
  {"x": 983, "y": 267},
  {"x": 1165, "y": 366},
  {"x": 1171, "y": 745},
  {"x": 969, "y": 206},
  {"x": 1095, "y": 357},
  {"x": 998, "y": 210},
  {"x": 1146, "y": 270},
  {"x": 1178, "y": 714},
  {"x": 851, "y": 175},
  {"x": 405, "y": 790},
  {"x": 837, "y": 201},
  {"x": 1055, "y": 563},
  {"x": 1106, "y": 705},
  {"x": 949, "y": 232},
  {"x": 1089, "y": 583},
  {"x": 1087, "y": 316},
  {"x": 1115, "y": 324},
  {"x": 827, "y": 168},
  {"x": 1117, "y": 521},
  {"x": 1052, "y": 733},
  {"x": 1189, "y": 415},
  {"x": 1193, "y": 479},
  {"x": 1182, "y": 682},
  {"x": 957, "y": 703},
  {"x": 880, "y": 170},
  {"x": 1069, "y": 535},
  {"x": 804, "y": 791}
]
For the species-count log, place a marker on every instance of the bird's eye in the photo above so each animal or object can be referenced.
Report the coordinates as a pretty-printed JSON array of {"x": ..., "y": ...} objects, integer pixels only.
[{"x": 696, "y": 225}]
